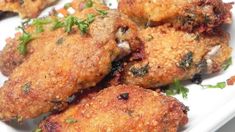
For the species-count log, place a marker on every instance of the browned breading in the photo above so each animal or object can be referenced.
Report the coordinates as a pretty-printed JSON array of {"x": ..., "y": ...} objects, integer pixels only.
[
  {"x": 121, "y": 108},
  {"x": 10, "y": 57},
  {"x": 189, "y": 15},
  {"x": 25, "y": 8},
  {"x": 49, "y": 76},
  {"x": 171, "y": 54}
]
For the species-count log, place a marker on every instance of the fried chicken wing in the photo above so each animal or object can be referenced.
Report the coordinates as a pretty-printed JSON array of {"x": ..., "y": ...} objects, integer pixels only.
[
  {"x": 121, "y": 108},
  {"x": 25, "y": 8},
  {"x": 65, "y": 65},
  {"x": 10, "y": 57},
  {"x": 170, "y": 54},
  {"x": 189, "y": 15}
]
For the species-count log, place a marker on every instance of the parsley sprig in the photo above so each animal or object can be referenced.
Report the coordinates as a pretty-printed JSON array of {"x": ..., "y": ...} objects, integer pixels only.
[
  {"x": 220, "y": 85},
  {"x": 82, "y": 25},
  {"x": 24, "y": 39},
  {"x": 67, "y": 24},
  {"x": 39, "y": 23},
  {"x": 177, "y": 88},
  {"x": 71, "y": 121},
  {"x": 227, "y": 63}
]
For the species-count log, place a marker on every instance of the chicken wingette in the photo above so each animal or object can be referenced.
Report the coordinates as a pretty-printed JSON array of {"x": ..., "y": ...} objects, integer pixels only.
[
  {"x": 120, "y": 108},
  {"x": 169, "y": 54},
  {"x": 10, "y": 57},
  {"x": 25, "y": 8},
  {"x": 68, "y": 62},
  {"x": 189, "y": 15}
]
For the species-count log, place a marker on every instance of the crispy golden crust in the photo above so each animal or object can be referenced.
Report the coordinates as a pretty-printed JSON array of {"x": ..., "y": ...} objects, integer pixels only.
[
  {"x": 10, "y": 58},
  {"x": 168, "y": 52},
  {"x": 25, "y": 8},
  {"x": 143, "y": 110},
  {"x": 49, "y": 76},
  {"x": 184, "y": 14}
]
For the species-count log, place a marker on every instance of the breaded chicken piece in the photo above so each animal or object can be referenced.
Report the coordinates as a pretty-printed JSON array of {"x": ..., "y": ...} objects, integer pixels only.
[
  {"x": 170, "y": 54},
  {"x": 121, "y": 108},
  {"x": 65, "y": 65},
  {"x": 189, "y": 15},
  {"x": 10, "y": 57},
  {"x": 25, "y": 8}
]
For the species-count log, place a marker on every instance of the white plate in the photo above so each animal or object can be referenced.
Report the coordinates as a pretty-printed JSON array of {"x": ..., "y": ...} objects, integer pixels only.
[{"x": 209, "y": 108}]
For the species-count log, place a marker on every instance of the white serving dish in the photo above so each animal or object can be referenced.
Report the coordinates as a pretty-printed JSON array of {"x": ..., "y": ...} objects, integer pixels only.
[{"x": 209, "y": 108}]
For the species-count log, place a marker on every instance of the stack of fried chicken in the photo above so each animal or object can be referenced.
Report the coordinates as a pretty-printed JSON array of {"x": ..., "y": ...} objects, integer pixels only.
[{"x": 95, "y": 70}]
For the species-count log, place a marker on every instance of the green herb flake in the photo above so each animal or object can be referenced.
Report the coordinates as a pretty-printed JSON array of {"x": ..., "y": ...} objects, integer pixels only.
[
  {"x": 24, "y": 39},
  {"x": 26, "y": 22},
  {"x": 19, "y": 118},
  {"x": 71, "y": 121},
  {"x": 220, "y": 85},
  {"x": 102, "y": 12},
  {"x": 207, "y": 19},
  {"x": 90, "y": 18},
  {"x": 88, "y": 4},
  {"x": 84, "y": 25},
  {"x": 67, "y": 5},
  {"x": 177, "y": 88},
  {"x": 60, "y": 41},
  {"x": 227, "y": 63},
  {"x": 186, "y": 61},
  {"x": 140, "y": 72},
  {"x": 21, "y": 2},
  {"x": 26, "y": 88},
  {"x": 57, "y": 24},
  {"x": 149, "y": 37},
  {"x": 69, "y": 22},
  {"x": 197, "y": 37},
  {"x": 39, "y": 23},
  {"x": 38, "y": 130}
]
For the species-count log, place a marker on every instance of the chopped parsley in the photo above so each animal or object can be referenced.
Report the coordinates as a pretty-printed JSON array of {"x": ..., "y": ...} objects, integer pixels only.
[
  {"x": 24, "y": 39},
  {"x": 207, "y": 19},
  {"x": 26, "y": 22},
  {"x": 227, "y": 63},
  {"x": 39, "y": 23},
  {"x": 149, "y": 37},
  {"x": 26, "y": 88},
  {"x": 90, "y": 18},
  {"x": 220, "y": 85},
  {"x": 70, "y": 21},
  {"x": 102, "y": 12},
  {"x": 60, "y": 41},
  {"x": 82, "y": 25},
  {"x": 197, "y": 37},
  {"x": 177, "y": 88},
  {"x": 88, "y": 4},
  {"x": 57, "y": 24},
  {"x": 19, "y": 118},
  {"x": 71, "y": 121},
  {"x": 21, "y": 2},
  {"x": 38, "y": 130},
  {"x": 186, "y": 61},
  {"x": 140, "y": 72},
  {"x": 67, "y": 5}
]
